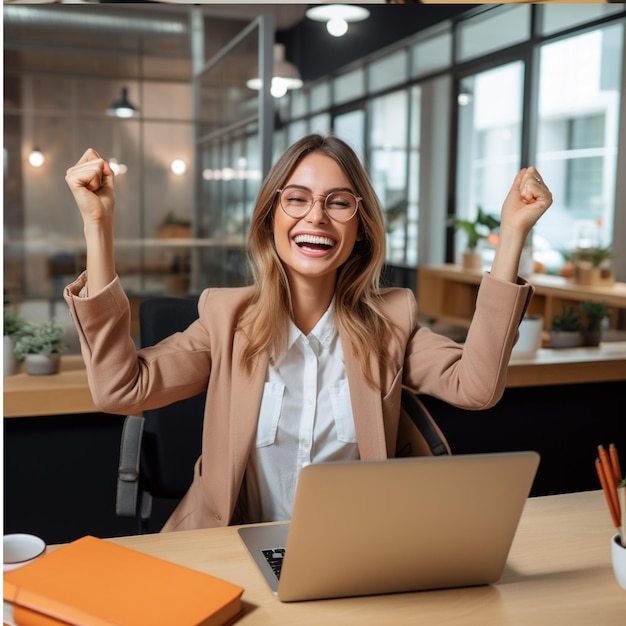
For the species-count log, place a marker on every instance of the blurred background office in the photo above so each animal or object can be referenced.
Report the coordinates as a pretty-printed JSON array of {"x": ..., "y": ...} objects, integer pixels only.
[
  {"x": 192, "y": 103},
  {"x": 443, "y": 104}
]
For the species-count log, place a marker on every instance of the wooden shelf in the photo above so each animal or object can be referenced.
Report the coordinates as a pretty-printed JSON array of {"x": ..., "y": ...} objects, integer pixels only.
[{"x": 447, "y": 293}]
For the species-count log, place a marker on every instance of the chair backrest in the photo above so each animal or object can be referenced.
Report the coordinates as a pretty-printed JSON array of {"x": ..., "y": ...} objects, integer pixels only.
[{"x": 172, "y": 436}]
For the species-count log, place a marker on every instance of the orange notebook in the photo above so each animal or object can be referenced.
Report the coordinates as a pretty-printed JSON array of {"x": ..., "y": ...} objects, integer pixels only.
[{"x": 93, "y": 582}]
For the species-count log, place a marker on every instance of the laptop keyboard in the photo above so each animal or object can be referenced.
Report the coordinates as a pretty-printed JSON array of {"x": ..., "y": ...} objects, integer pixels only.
[{"x": 274, "y": 558}]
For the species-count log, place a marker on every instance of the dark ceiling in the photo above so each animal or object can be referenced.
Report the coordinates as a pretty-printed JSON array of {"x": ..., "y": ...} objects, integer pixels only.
[
  {"x": 69, "y": 36},
  {"x": 316, "y": 53}
]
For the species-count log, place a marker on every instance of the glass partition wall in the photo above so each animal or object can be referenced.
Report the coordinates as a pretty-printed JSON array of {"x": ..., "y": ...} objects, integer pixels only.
[
  {"x": 188, "y": 161},
  {"x": 233, "y": 150}
]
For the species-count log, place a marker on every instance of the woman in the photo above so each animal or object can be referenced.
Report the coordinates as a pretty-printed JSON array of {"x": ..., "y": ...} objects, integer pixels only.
[{"x": 307, "y": 364}]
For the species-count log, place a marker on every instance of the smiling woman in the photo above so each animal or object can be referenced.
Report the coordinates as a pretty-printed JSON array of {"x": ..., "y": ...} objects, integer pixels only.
[{"x": 306, "y": 365}]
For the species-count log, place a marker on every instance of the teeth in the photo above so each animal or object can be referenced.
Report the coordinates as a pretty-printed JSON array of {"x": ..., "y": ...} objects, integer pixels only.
[{"x": 313, "y": 239}]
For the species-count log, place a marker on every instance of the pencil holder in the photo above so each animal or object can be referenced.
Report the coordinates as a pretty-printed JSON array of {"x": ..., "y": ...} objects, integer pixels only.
[{"x": 618, "y": 556}]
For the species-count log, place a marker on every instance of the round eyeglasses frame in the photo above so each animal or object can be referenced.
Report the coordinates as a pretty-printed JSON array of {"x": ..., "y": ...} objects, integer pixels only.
[{"x": 325, "y": 198}]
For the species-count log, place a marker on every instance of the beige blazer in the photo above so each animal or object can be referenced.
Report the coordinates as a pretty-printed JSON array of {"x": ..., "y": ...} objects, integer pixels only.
[{"x": 206, "y": 357}]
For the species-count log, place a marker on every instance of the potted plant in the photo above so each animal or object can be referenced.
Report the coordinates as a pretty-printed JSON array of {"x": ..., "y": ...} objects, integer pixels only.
[
  {"x": 476, "y": 230},
  {"x": 591, "y": 265},
  {"x": 174, "y": 227},
  {"x": 12, "y": 325},
  {"x": 40, "y": 347},
  {"x": 593, "y": 313},
  {"x": 565, "y": 329}
]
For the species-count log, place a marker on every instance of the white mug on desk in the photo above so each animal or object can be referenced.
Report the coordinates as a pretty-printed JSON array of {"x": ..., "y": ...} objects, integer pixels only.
[{"x": 21, "y": 548}]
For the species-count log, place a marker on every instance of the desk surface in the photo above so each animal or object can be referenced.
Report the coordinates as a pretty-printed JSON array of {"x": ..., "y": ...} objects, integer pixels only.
[
  {"x": 604, "y": 363},
  {"x": 67, "y": 393},
  {"x": 558, "y": 571}
]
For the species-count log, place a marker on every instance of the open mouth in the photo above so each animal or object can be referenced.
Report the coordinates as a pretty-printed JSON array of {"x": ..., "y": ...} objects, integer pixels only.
[{"x": 314, "y": 242}]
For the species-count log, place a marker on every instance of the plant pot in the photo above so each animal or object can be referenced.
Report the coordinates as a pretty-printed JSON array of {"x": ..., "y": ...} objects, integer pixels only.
[
  {"x": 589, "y": 276},
  {"x": 42, "y": 365},
  {"x": 592, "y": 338},
  {"x": 529, "y": 341},
  {"x": 472, "y": 261},
  {"x": 565, "y": 338},
  {"x": 11, "y": 364}
]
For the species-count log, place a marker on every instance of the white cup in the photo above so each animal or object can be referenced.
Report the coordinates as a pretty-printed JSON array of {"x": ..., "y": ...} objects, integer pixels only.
[
  {"x": 618, "y": 556},
  {"x": 529, "y": 341},
  {"x": 21, "y": 548}
]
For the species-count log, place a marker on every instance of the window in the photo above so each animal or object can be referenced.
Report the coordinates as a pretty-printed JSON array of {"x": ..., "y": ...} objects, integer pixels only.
[
  {"x": 388, "y": 71},
  {"x": 349, "y": 86},
  {"x": 489, "y": 139},
  {"x": 498, "y": 29},
  {"x": 577, "y": 137},
  {"x": 434, "y": 53},
  {"x": 388, "y": 166}
]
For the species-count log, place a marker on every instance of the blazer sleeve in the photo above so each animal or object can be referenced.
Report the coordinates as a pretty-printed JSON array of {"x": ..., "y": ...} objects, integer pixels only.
[
  {"x": 471, "y": 375},
  {"x": 125, "y": 380}
]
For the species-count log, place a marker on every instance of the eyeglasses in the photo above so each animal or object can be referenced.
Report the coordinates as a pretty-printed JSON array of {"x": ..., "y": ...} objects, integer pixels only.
[{"x": 340, "y": 206}]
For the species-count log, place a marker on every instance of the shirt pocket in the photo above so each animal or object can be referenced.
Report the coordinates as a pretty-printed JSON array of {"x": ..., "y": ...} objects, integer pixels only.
[
  {"x": 342, "y": 411},
  {"x": 269, "y": 414}
]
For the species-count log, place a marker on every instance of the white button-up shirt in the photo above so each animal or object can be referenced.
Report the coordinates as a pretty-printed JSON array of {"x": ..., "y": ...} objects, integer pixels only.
[{"x": 305, "y": 417}]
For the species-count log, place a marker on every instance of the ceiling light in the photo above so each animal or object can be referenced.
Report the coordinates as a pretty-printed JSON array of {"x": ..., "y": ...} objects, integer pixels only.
[
  {"x": 178, "y": 167},
  {"x": 285, "y": 75},
  {"x": 337, "y": 16},
  {"x": 464, "y": 98},
  {"x": 122, "y": 107},
  {"x": 36, "y": 158}
]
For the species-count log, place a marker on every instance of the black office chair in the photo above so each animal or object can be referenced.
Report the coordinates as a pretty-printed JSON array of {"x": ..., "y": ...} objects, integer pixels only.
[{"x": 159, "y": 449}]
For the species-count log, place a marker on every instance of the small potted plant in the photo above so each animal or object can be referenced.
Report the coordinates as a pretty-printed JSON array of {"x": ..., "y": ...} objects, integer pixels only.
[
  {"x": 12, "y": 325},
  {"x": 591, "y": 266},
  {"x": 477, "y": 230},
  {"x": 565, "y": 329},
  {"x": 593, "y": 313},
  {"x": 40, "y": 347}
]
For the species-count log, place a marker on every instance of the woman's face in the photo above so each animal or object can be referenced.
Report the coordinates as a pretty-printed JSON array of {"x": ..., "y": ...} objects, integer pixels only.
[{"x": 313, "y": 247}]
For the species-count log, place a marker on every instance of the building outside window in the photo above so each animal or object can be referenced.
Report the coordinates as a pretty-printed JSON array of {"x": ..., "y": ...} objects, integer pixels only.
[{"x": 577, "y": 137}]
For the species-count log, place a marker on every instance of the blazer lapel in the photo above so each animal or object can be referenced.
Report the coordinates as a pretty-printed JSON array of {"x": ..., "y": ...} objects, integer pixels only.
[{"x": 367, "y": 406}]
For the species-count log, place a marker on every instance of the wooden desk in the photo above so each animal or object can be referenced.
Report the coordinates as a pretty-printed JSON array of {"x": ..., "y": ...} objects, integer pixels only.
[
  {"x": 65, "y": 393},
  {"x": 559, "y": 571}
]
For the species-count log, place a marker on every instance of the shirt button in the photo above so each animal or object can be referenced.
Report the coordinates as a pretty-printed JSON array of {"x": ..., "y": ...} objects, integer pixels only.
[{"x": 218, "y": 517}]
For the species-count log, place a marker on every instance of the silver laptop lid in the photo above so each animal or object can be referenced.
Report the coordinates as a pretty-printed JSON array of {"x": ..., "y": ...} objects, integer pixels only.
[{"x": 372, "y": 527}]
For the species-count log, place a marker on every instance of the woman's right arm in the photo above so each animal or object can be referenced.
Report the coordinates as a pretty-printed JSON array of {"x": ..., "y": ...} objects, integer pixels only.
[{"x": 91, "y": 183}]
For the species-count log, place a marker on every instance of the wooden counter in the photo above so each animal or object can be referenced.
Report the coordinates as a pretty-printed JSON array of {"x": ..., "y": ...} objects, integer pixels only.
[
  {"x": 565, "y": 366},
  {"x": 67, "y": 392},
  {"x": 448, "y": 293}
]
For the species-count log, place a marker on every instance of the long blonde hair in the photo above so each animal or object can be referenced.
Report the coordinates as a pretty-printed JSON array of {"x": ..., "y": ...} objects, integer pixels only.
[{"x": 357, "y": 310}]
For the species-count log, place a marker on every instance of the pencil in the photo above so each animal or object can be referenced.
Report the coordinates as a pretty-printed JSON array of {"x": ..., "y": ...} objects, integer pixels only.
[
  {"x": 617, "y": 472},
  {"x": 621, "y": 496},
  {"x": 610, "y": 479},
  {"x": 607, "y": 493}
]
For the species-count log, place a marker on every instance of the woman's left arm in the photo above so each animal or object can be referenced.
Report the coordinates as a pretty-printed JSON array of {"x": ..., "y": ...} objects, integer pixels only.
[{"x": 527, "y": 200}]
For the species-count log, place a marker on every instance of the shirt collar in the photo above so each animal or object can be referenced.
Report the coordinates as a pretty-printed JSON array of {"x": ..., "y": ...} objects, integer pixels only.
[{"x": 324, "y": 330}]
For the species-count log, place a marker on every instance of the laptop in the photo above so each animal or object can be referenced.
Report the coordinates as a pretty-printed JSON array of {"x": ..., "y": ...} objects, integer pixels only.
[{"x": 374, "y": 527}]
